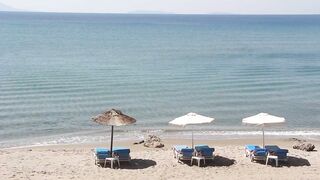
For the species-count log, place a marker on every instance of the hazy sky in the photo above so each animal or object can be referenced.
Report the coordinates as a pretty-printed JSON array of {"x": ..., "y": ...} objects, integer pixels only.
[{"x": 172, "y": 6}]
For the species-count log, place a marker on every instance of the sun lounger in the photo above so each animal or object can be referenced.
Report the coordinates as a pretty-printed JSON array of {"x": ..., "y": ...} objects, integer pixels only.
[
  {"x": 256, "y": 153},
  {"x": 250, "y": 148},
  {"x": 122, "y": 153},
  {"x": 100, "y": 154},
  {"x": 276, "y": 151},
  {"x": 182, "y": 152},
  {"x": 204, "y": 151}
]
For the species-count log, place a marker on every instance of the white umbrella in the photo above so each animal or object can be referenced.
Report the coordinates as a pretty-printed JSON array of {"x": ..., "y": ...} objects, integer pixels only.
[
  {"x": 263, "y": 119},
  {"x": 191, "y": 118}
]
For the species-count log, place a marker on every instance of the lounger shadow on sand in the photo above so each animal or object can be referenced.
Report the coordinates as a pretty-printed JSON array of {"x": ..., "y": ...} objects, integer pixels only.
[
  {"x": 291, "y": 162},
  {"x": 295, "y": 162},
  {"x": 220, "y": 161},
  {"x": 138, "y": 164}
]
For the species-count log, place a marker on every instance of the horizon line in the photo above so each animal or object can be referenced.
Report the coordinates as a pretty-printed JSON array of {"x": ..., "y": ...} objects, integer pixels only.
[{"x": 165, "y": 13}]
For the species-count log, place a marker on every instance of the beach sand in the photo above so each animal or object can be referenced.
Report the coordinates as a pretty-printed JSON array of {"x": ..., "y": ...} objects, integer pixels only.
[{"x": 77, "y": 162}]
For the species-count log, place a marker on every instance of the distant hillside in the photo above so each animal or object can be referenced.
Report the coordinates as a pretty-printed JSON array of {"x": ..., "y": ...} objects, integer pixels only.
[{"x": 4, "y": 7}]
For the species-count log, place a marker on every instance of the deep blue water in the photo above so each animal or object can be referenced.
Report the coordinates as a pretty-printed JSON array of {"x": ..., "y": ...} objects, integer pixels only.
[{"x": 58, "y": 70}]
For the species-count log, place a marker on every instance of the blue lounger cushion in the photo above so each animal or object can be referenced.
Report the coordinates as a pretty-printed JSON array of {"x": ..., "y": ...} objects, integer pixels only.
[
  {"x": 121, "y": 150},
  {"x": 103, "y": 156},
  {"x": 281, "y": 153},
  {"x": 179, "y": 147},
  {"x": 102, "y": 153},
  {"x": 205, "y": 150},
  {"x": 276, "y": 148},
  {"x": 123, "y": 153},
  {"x": 182, "y": 152},
  {"x": 260, "y": 152},
  {"x": 202, "y": 146},
  {"x": 199, "y": 146},
  {"x": 251, "y": 147},
  {"x": 187, "y": 152},
  {"x": 101, "y": 150},
  {"x": 256, "y": 150}
]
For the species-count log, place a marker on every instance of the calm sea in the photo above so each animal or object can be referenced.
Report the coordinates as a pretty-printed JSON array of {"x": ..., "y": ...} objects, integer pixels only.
[{"x": 59, "y": 70}]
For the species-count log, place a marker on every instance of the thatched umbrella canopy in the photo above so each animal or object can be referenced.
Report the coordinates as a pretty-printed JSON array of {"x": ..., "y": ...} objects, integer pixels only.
[{"x": 112, "y": 118}]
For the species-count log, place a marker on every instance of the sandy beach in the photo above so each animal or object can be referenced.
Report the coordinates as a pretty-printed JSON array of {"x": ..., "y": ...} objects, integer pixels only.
[{"x": 77, "y": 162}]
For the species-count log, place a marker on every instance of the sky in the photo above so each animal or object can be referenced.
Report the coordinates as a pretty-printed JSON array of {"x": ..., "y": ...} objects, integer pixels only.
[{"x": 170, "y": 6}]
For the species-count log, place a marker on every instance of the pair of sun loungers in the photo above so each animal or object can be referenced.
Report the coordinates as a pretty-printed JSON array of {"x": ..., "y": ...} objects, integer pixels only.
[
  {"x": 100, "y": 154},
  {"x": 184, "y": 153},
  {"x": 256, "y": 153}
]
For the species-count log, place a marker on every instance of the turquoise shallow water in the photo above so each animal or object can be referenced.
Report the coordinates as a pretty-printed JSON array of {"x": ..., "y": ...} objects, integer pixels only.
[{"x": 58, "y": 70}]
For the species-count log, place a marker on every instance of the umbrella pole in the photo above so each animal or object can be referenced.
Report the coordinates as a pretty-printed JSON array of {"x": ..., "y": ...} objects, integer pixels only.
[
  {"x": 263, "y": 136},
  {"x": 111, "y": 145},
  {"x": 192, "y": 139}
]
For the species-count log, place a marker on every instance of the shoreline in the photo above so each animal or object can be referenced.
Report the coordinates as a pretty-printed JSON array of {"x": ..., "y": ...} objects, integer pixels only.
[{"x": 90, "y": 138}]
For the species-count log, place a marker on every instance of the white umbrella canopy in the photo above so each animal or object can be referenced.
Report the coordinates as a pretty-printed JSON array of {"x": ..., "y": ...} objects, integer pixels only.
[
  {"x": 263, "y": 119},
  {"x": 191, "y": 118}
]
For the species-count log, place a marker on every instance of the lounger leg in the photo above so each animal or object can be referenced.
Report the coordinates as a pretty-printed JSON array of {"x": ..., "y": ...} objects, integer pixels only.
[
  {"x": 119, "y": 163},
  {"x": 111, "y": 164},
  {"x": 191, "y": 161},
  {"x": 267, "y": 161},
  {"x": 199, "y": 162},
  {"x": 105, "y": 161}
]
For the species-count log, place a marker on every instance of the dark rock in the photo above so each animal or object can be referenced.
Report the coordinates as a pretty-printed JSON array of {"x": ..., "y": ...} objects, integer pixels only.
[
  {"x": 304, "y": 146},
  {"x": 153, "y": 142},
  {"x": 140, "y": 142}
]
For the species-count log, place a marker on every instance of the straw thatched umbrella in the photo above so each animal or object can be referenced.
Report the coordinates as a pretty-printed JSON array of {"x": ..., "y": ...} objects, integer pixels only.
[{"x": 112, "y": 118}]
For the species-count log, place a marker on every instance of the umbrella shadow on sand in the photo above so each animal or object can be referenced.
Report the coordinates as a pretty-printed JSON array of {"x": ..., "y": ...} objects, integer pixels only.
[
  {"x": 295, "y": 162},
  {"x": 138, "y": 164},
  {"x": 292, "y": 162},
  {"x": 220, "y": 161}
]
